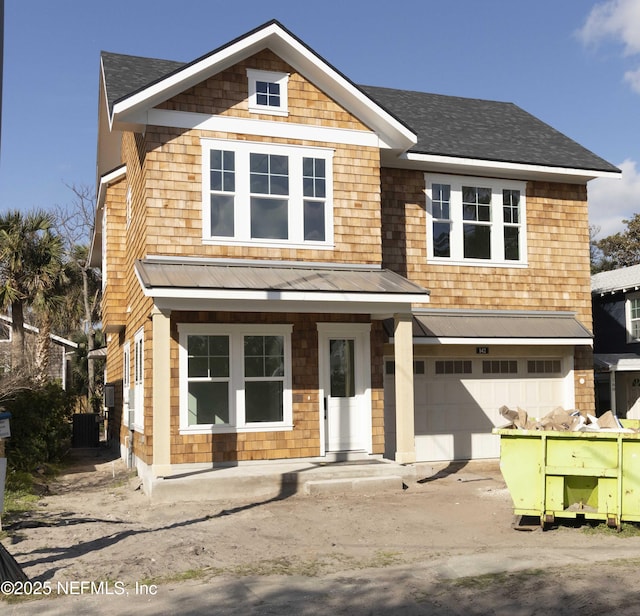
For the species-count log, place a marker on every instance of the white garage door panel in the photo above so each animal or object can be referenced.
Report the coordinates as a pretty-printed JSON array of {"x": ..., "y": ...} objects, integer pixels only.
[
  {"x": 454, "y": 415},
  {"x": 459, "y": 414}
]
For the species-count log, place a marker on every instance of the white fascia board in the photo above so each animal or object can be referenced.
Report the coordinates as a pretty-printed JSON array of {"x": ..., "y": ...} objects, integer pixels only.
[
  {"x": 317, "y": 297},
  {"x": 393, "y": 134},
  {"x": 505, "y": 341},
  {"x": 262, "y": 128},
  {"x": 212, "y": 304},
  {"x": 452, "y": 164},
  {"x": 96, "y": 242}
]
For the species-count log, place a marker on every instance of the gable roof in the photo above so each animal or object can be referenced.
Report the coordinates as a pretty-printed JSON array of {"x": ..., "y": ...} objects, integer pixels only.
[
  {"x": 4, "y": 318},
  {"x": 125, "y": 106},
  {"x": 417, "y": 127},
  {"x": 622, "y": 279}
]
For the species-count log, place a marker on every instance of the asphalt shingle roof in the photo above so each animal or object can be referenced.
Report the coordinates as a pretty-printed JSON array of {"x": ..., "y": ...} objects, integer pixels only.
[
  {"x": 445, "y": 125},
  {"x": 482, "y": 129},
  {"x": 616, "y": 280}
]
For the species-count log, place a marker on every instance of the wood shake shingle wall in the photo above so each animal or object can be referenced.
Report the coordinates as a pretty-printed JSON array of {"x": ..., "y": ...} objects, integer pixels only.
[
  {"x": 164, "y": 180},
  {"x": 557, "y": 277}
]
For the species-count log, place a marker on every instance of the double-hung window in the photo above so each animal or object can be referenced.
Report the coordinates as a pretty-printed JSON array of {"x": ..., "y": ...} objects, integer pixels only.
[
  {"x": 475, "y": 221},
  {"x": 235, "y": 378},
  {"x": 633, "y": 318},
  {"x": 267, "y": 195}
]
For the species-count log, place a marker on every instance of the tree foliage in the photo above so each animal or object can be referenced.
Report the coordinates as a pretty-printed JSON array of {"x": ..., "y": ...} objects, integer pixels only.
[
  {"x": 40, "y": 426},
  {"x": 31, "y": 270},
  {"x": 621, "y": 249}
]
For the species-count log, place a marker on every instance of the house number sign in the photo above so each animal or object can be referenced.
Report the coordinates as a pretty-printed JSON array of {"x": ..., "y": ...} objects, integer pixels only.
[{"x": 482, "y": 350}]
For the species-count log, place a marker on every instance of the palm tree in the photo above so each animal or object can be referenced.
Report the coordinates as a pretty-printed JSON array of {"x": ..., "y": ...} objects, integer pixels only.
[{"x": 30, "y": 265}]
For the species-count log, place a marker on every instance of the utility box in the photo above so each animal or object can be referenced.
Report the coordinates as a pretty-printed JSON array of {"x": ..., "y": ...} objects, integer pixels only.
[{"x": 553, "y": 474}]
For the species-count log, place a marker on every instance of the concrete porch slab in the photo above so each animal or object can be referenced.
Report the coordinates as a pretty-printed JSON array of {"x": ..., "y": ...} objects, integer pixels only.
[{"x": 280, "y": 479}]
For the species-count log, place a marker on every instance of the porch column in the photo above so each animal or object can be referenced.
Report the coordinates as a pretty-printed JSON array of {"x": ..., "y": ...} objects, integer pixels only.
[
  {"x": 612, "y": 386},
  {"x": 403, "y": 355},
  {"x": 161, "y": 357}
]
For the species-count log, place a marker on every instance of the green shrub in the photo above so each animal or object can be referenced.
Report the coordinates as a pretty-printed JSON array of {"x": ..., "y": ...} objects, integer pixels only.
[{"x": 41, "y": 427}]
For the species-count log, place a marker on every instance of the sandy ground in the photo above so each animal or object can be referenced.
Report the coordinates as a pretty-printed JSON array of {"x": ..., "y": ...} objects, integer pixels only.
[{"x": 445, "y": 545}]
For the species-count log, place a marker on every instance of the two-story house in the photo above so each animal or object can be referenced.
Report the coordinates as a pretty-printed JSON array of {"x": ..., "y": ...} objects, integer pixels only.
[
  {"x": 295, "y": 265},
  {"x": 616, "y": 345}
]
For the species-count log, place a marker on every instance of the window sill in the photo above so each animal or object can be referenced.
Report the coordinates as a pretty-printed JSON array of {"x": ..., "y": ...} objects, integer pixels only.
[
  {"x": 477, "y": 263},
  {"x": 269, "y": 111},
  {"x": 215, "y": 241},
  {"x": 216, "y": 429}
]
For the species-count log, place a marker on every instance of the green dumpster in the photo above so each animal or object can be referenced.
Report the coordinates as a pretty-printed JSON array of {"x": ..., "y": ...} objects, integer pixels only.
[{"x": 552, "y": 474}]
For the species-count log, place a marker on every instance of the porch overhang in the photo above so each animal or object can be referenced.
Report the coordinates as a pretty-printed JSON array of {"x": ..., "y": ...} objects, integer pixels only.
[
  {"x": 249, "y": 286},
  {"x": 616, "y": 362},
  {"x": 497, "y": 327}
]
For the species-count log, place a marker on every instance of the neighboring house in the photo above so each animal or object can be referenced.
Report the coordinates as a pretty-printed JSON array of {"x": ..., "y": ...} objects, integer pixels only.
[
  {"x": 296, "y": 266},
  {"x": 616, "y": 328},
  {"x": 61, "y": 350}
]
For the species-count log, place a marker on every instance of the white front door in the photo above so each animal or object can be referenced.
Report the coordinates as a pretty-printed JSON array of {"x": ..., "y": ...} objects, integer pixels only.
[{"x": 345, "y": 382}]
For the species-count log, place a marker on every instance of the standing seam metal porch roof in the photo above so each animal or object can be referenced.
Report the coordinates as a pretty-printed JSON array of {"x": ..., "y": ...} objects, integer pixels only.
[
  {"x": 275, "y": 277},
  {"x": 498, "y": 325}
]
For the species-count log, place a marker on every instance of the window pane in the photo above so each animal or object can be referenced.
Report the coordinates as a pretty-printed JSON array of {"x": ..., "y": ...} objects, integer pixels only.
[
  {"x": 198, "y": 366},
  {"x": 279, "y": 185},
  {"x": 279, "y": 164},
  {"x": 259, "y": 163},
  {"x": 215, "y": 181},
  {"x": 314, "y": 221},
  {"x": 441, "y": 239},
  {"x": 208, "y": 403},
  {"x": 259, "y": 183},
  {"x": 511, "y": 243},
  {"x": 477, "y": 241},
  {"x": 484, "y": 196},
  {"x": 197, "y": 345},
  {"x": 219, "y": 367},
  {"x": 269, "y": 218},
  {"x": 263, "y": 401},
  {"x": 342, "y": 366},
  {"x": 254, "y": 367},
  {"x": 222, "y": 215}
]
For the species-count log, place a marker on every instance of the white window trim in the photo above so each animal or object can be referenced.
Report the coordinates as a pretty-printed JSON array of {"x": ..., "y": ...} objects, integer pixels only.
[
  {"x": 236, "y": 335},
  {"x": 497, "y": 225},
  {"x": 282, "y": 79},
  {"x": 126, "y": 371},
  {"x": 627, "y": 310},
  {"x": 138, "y": 381},
  {"x": 242, "y": 207}
]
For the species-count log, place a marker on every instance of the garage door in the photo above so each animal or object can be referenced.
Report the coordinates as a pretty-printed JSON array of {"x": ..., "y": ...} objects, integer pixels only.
[{"x": 457, "y": 402}]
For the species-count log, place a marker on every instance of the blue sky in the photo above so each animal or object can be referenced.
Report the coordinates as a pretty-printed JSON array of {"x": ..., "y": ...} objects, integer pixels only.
[{"x": 575, "y": 65}]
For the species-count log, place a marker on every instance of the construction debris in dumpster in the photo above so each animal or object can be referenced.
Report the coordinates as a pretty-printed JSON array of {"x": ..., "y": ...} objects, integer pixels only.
[{"x": 564, "y": 421}]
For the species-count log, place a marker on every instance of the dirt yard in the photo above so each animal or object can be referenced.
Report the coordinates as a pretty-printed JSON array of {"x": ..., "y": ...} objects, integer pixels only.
[{"x": 448, "y": 540}]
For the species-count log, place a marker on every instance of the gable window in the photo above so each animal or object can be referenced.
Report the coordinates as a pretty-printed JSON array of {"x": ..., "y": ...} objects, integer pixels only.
[
  {"x": 235, "y": 378},
  {"x": 633, "y": 318},
  {"x": 266, "y": 194},
  {"x": 268, "y": 92},
  {"x": 475, "y": 221}
]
